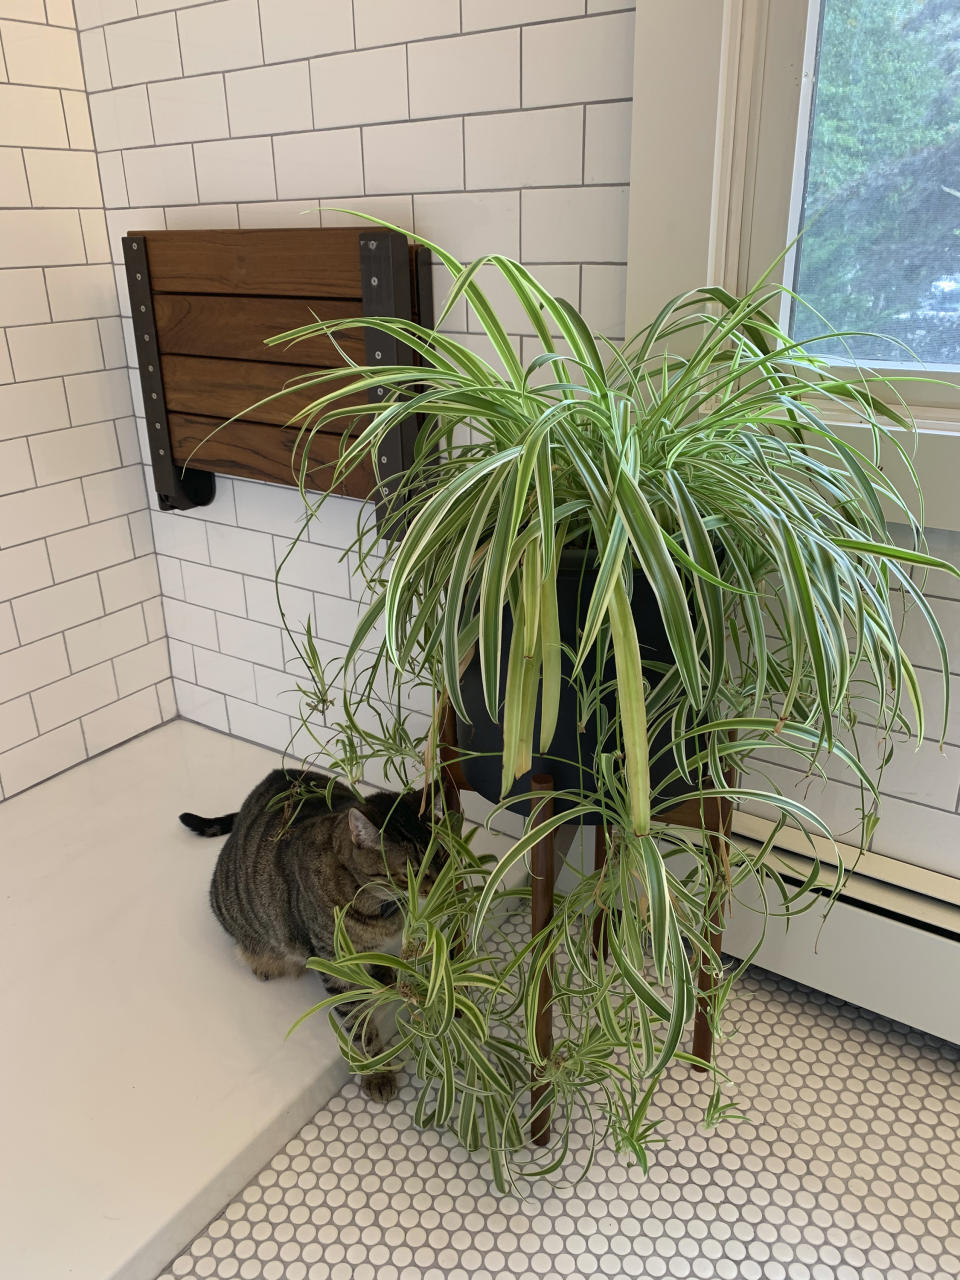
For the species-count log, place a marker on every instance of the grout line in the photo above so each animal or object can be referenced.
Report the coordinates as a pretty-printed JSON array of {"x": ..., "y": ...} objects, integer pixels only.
[
  {"x": 33, "y": 716},
  {"x": 66, "y": 650},
  {"x": 259, "y": 66},
  {"x": 33, "y": 470},
  {"x": 5, "y": 346},
  {"x": 273, "y": 171},
  {"x": 142, "y": 733},
  {"x": 229, "y": 114},
  {"x": 153, "y": 135},
  {"x": 45, "y": 324},
  {"x": 363, "y": 175},
  {"x": 456, "y": 191},
  {"x": 46, "y": 548},
  {"x": 106, "y": 55},
  {"x": 444, "y": 35},
  {"x": 103, "y": 358},
  {"x": 58, "y": 150},
  {"x": 16, "y": 632},
  {"x": 106, "y": 58},
  {"x": 313, "y": 100},
  {"x": 86, "y": 248},
  {"x": 263, "y": 56},
  {"x": 83, "y": 736},
  {"x": 366, "y": 124},
  {"x": 521, "y": 67},
  {"x": 196, "y": 175},
  {"x": 103, "y": 603},
  {"x": 583, "y": 148},
  {"x": 26, "y": 172}
]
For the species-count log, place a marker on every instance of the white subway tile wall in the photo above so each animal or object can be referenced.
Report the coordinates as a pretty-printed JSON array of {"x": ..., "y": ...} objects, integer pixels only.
[
  {"x": 77, "y": 112},
  {"x": 270, "y": 99},
  {"x": 147, "y": 49},
  {"x": 183, "y": 110},
  {"x": 31, "y": 117},
  {"x": 299, "y": 157},
  {"x": 360, "y": 88},
  {"x": 465, "y": 74},
  {"x": 76, "y": 569},
  {"x": 37, "y": 53},
  {"x": 218, "y": 37},
  {"x": 293, "y": 28}
]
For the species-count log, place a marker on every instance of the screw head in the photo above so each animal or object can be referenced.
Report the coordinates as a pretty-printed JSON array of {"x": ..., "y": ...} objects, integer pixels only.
[
  {"x": 139, "y": 276},
  {"x": 378, "y": 355},
  {"x": 153, "y": 395},
  {"x": 156, "y": 426},
  {"x": 374, "y": 281},
  {"x": 373, "y": 244},
  {"x": 142, "y": 308},
  {"x": 146, "y": 337},
  {"x": 162, "y": 454},
  {"x": 134, "y": 245}
]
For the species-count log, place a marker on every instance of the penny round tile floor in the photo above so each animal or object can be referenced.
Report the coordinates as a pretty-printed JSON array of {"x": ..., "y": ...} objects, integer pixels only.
[{"x": 847, "y": 1167}]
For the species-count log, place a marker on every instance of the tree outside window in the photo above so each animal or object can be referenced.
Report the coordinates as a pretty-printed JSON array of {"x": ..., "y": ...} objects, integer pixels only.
[{"x": 881, "y": 245}]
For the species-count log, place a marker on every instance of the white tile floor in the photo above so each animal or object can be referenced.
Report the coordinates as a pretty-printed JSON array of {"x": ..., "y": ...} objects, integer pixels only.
[
  {"x": 144, "y": 1074},
  {"x": 135, "y": 1097},
  {"x": 846, "y": 1168}
]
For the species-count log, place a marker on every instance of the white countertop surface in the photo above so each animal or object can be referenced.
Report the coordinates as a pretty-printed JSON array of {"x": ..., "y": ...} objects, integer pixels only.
[{"x": 144, "y": 1074}]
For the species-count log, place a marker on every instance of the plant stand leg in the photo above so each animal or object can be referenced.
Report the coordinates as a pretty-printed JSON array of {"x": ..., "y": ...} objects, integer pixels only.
[
  {"x": 541, "y": 913},
  {"x": 600, "y": 941},
  {"x": 451, "y": 776},
  {"x": 718, "y": 814},
  {"x": 452, "y": 782}
]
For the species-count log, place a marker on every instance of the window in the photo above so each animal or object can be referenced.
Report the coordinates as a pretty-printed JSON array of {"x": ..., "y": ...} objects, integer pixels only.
[
  {"x": 881, "y": 206},
  {"x": 723, "y": 107}
]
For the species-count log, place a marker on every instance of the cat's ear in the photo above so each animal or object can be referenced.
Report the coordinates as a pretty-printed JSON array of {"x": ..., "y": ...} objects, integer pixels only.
[{"x": 362, "y": 831}]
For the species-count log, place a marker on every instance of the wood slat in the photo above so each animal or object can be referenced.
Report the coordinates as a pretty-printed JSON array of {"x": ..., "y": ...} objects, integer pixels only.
[
  {"x": 235, "y": 328},
  {"x": 260, "y": 452},
  {"x": 216, "y": 295},
  {"x": 291, "y": 262},
  {"x": 222, "y": 388}
]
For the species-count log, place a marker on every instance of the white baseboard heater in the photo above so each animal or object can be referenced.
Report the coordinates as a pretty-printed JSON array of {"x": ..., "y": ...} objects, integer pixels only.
[{"x": 890, "y": 942}]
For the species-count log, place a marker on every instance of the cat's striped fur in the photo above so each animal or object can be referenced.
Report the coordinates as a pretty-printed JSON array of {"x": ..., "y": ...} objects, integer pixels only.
[{"x": 292, "y": 858}]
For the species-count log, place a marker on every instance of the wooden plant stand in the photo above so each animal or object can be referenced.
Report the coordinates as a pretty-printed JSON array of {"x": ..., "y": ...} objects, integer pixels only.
[{"x": 713, "y": 816}]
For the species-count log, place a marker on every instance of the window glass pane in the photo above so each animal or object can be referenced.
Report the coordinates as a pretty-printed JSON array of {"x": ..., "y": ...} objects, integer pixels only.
[{"x": 881, "y": 248}]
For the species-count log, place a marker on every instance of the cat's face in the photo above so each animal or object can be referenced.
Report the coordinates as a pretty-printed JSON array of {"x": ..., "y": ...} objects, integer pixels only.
[{"x": 384, "y": 856}]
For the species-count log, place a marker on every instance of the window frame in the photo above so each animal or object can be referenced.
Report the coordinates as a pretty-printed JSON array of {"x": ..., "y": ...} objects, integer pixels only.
[{"x": 718, "y": 189}]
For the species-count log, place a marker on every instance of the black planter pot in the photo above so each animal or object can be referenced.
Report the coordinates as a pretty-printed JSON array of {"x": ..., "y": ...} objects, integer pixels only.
[{"x": 575, "y": 582}]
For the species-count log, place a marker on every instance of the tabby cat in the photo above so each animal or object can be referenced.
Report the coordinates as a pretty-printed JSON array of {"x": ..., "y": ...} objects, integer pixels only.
[{"x": 293, "y": 857}]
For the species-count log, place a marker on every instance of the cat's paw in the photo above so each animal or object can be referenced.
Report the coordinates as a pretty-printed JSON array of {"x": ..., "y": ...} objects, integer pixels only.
[{"x": 381, "y": 1086}]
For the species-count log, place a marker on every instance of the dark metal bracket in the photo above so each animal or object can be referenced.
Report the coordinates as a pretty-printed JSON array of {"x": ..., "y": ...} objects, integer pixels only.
[
  {"x": 385, "y": 274},
  {"x": 423, "y": 282},
  {"x": 178, "y": 488}
]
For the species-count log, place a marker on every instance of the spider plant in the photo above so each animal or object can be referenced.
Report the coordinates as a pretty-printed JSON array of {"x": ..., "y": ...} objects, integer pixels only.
[{"x": 704, "y": 455}]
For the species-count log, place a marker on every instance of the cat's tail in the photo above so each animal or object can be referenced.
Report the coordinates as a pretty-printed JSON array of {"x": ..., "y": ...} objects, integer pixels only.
[{"x": 208, "y": 826}]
